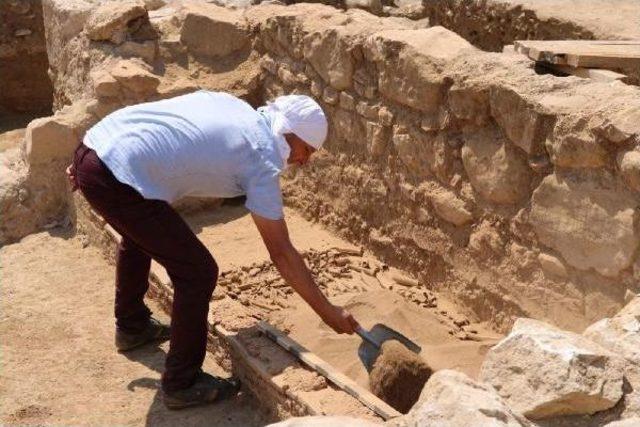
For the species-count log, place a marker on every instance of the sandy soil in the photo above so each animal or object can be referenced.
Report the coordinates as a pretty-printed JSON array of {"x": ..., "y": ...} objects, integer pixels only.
[
  {"x": 233, "y": 239},
  {"x": 59, "y": 366},
  {"x": 440, "y": 349}
]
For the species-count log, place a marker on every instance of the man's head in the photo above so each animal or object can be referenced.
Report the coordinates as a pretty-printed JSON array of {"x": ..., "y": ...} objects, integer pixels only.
[{"x": 300, "y": 121}]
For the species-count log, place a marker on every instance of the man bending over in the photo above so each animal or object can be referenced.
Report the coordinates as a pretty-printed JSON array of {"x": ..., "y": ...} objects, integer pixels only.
[{"x": 137, "y": 160}]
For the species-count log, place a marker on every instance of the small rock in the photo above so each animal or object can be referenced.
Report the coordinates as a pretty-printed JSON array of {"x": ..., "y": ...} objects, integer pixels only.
[
  {"x": 461, "y": 321},
  {"x": 552, "y": 266},
  {"x": 450, "y": 208},
  {"x": 135, "y": 78},
  {"x": 22, "y": 32}
]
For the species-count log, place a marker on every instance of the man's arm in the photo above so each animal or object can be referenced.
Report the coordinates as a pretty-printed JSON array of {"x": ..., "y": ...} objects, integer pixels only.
[{"x": 293, "y": 269}]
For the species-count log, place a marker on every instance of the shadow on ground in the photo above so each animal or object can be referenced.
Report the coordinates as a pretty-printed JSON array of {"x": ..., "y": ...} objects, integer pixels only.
[{"x": 218, "y": 414}]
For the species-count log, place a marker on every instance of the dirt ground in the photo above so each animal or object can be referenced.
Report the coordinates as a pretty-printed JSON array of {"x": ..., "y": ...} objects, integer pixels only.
[{"x": 59, "y": 365}]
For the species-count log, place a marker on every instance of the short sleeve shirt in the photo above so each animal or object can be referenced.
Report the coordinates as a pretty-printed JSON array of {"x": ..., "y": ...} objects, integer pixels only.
[{"x": 205, "y": 144}]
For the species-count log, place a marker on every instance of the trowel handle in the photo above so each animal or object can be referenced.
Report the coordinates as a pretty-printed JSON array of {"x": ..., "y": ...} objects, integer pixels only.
[{"x": 366, "y": 335}]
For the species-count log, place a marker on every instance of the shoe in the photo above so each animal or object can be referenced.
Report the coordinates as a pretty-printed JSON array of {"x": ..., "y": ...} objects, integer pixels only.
[
  {"x": 154, "y": 332},
  {"x": 206, "y": 389}
]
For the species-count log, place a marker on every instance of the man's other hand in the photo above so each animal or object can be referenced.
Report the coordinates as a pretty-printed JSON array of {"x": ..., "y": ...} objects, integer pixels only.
[
  {"x": 72, "y": 178},
  {"x": 340, "y": 320}
]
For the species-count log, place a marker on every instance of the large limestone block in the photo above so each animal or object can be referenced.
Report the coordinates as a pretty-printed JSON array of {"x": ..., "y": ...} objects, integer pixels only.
[
  {"x": 524, "y": 122},
  {"x": 422, "y": 154},
  {"x": 328, "y": 52},
  {"x": 56, "y": 137},
  {"x": 410, "y": 64},
  {"x": 496, "y": 168},
  {"x": 109, "y": 20},
  {"x": 213, "y": 31},
  {"x": 451, "y": 399},
  {"x": 620, "y": 333},
  {"x": 325, "y": 421},
  {"x": 542, "y": 371},
  {"x": 577, "y": 150},
  {"x": 589, "y": 218}
]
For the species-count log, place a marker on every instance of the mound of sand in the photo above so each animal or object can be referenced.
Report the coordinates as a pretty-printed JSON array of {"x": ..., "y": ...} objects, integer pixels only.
[{"x": 398, "y": 376}]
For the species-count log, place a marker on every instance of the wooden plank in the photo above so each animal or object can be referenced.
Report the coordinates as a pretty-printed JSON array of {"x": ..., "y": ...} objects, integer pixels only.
[
  {"x": 602, "y": 60},
  {"x": 592, "y": 54},
  {"x": 586, "y": 73},
  {"x": 526, "y": 44},
  {"x": 338, "y": 378}
]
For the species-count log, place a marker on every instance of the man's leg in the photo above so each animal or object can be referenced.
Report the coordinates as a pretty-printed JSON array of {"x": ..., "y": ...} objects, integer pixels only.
[
  {"x": 161, "y": 234},
  {"x": 132, "y": 283}
]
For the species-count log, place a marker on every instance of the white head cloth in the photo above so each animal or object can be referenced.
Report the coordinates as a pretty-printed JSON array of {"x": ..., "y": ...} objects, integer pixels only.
[{"x": 297, "y": 114}]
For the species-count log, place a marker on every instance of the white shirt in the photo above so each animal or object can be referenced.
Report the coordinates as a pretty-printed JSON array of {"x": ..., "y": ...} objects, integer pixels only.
[{"x": 205, "y": 144}]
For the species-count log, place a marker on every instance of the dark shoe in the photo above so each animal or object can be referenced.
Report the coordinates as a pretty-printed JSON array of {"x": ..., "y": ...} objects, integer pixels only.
[
  {"x": 206, "y": 389},
  {"x": 154, "y": 332}
]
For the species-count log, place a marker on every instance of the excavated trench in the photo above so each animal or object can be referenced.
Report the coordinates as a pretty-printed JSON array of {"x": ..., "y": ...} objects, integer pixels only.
[{"x": 438, "y": 208}]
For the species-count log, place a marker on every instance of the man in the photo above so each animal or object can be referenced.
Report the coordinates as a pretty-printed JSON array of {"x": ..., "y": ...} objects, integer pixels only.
[{"x": 137, "y": 160}]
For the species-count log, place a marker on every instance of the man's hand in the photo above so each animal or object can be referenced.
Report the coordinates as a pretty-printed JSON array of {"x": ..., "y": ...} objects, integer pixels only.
[
  {"x": 72, "y": 178},
  {"x": 340, "y": 320},
  {"x": 293, "y": 269}
]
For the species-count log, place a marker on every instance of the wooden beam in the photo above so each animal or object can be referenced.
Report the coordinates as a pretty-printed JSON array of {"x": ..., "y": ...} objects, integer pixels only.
[
  {"x": 338, "y": 378},
  {"x": 583, "y": 53}
]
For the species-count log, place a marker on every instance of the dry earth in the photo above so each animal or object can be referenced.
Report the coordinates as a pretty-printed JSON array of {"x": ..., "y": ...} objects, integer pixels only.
[{"x": 59, "y": 366}]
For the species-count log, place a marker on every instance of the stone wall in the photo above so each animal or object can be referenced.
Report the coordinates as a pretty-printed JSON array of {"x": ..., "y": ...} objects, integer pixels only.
[
  {"x": 516, "y": 194},
  {"x": 24, "y": 84}
]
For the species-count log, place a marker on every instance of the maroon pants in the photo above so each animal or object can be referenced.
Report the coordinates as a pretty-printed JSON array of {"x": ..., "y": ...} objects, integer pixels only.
[{"x": 152, "y": 229}]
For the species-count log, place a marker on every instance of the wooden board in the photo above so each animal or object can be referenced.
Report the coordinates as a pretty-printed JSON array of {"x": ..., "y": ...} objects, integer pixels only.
[
  {"x": 338, "y": 378},
  {"x": 611, "y": 54}
]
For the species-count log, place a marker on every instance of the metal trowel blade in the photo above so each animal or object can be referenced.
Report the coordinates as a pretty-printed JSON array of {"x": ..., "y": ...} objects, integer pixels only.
[{"x": 368, "y": 353}]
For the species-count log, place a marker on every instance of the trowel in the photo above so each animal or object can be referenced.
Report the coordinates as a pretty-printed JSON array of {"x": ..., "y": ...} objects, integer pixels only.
[{"x": 372, "y": 341}]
